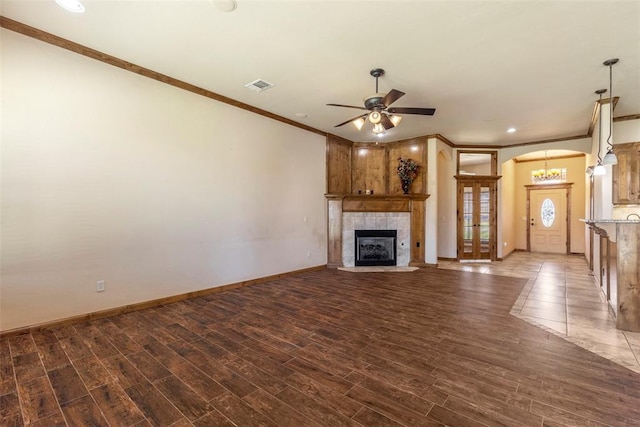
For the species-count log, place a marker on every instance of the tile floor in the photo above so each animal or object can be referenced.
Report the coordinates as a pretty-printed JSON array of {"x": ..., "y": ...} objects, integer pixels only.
[{"x": 563, "y": 298}]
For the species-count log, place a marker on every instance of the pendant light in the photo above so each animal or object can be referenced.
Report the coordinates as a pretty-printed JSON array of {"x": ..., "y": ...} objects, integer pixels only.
[
  {"x": 599, "y": 169},
  {"x": 610, "y": 158}
]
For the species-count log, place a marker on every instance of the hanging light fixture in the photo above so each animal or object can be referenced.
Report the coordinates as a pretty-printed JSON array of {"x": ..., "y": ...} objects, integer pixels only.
[
  {"x": 546, "y": 175},
  {"x": 610, "y": 158},
  {"x": 599, "y": 169}
]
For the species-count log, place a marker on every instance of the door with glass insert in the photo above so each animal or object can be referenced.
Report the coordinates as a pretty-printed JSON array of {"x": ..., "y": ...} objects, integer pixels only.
[
  {"x": 476, "y": 219},
  {"x": 548, "y": 221}
]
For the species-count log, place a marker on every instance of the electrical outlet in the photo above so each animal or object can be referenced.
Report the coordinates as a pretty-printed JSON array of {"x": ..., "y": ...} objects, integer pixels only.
[{"x": 100, "y": 286}]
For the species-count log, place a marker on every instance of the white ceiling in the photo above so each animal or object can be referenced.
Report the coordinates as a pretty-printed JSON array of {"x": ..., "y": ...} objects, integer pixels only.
[{"x": 484, "y": 65}]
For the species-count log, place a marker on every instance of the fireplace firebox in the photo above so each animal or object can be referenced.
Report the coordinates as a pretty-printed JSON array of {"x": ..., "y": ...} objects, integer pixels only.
[{"x": 375, "y": 247}]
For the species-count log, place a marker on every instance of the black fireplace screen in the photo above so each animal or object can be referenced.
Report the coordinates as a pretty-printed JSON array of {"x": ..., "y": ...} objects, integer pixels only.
[{"x": 375, "y": 247}]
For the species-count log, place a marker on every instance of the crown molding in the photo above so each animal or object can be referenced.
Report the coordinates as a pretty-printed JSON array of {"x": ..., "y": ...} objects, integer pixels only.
[
  {"x": 69, "y": 45},
  {"x": 63, "y": 43},
  {"x": 596, "y": 111},
  {"x": 568, "y": 156},
  {"x": 625, "y": 118}
]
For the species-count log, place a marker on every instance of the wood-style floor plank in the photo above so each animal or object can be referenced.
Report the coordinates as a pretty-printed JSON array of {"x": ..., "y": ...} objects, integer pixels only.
[{"x": 325, "y": 348}]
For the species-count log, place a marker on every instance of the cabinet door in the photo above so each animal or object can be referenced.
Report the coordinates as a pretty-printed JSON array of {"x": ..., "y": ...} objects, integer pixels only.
[{"x": 626, "y": 174}]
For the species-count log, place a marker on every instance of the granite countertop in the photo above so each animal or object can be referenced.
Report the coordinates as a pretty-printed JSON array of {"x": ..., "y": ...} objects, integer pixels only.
[{"x": 611, "y": 221}]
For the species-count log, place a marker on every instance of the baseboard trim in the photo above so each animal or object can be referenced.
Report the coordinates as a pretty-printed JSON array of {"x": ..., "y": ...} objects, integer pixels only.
[{"x": 153, "y": 303}]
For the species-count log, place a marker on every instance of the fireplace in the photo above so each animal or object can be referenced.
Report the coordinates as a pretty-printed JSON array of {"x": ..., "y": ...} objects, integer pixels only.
[{"x": 375, "y": 247}]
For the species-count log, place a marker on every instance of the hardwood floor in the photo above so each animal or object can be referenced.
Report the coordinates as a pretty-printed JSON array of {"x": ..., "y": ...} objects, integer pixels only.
[{"x": 326, "y": 348}]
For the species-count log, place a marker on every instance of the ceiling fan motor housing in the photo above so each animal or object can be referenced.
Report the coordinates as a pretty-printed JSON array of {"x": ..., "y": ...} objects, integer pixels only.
[{"x": 374, "y": 101}]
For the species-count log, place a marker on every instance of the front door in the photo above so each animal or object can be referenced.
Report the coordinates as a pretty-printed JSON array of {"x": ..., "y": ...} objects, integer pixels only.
[{"x": 548, "y": 221}]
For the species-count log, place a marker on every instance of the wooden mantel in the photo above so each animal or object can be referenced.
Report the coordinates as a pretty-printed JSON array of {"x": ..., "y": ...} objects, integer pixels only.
[{"x": 339, "y": 203}]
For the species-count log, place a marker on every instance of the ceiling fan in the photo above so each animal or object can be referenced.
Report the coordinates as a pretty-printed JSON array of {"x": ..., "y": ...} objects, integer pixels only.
[{"x": 378, "y": 107}]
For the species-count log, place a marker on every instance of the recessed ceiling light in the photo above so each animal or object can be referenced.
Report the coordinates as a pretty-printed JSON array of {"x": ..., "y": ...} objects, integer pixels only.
[
  {"x": 71, "y": 5},
  {"x": 301, "y": 115},
  {"x": 225, "y": 5},
  {"x": 511, "y": 130}
]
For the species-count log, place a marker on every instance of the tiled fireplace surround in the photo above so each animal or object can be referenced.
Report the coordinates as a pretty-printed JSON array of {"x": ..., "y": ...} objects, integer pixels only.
[
  {"x": 399, "y": 221},
  {"x": 403, "y": 213}
]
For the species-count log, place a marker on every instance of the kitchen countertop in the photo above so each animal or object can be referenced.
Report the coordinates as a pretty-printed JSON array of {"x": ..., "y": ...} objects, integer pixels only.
[{"x": 611, "y": 221}]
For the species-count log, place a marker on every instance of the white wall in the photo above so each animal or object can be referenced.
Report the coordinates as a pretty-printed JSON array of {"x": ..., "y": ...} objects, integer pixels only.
[
  {"x": 626, "y": 131},
  {"x": 506, "y": 240},
  {"x": 107, "y": 175},
  {"x": 431, "y": 209},
  {"x": 447, "y": 221}
]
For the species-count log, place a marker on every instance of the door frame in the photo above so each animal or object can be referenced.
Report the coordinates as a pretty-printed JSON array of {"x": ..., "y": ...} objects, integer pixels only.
[
  {"x": 490, "y": 181},
  {"x": 564, "y": 186}
]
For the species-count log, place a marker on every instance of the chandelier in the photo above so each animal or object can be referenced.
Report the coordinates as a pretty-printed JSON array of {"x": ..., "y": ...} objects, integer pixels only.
[{"x": 548, "y": 176}]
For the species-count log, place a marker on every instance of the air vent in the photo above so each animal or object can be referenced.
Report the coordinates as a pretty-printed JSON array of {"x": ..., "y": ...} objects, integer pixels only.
[{"x": 259, "y": 85}]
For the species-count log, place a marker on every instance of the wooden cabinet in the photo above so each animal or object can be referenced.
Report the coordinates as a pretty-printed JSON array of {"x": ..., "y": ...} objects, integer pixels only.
[
  {"x": 616, "y": 266},
  {"x": 338, "y": 165},
  {"x": 628, "y": 276},
  {"x": 370, "y": 168},
  {"x": 626, "y": 174}
]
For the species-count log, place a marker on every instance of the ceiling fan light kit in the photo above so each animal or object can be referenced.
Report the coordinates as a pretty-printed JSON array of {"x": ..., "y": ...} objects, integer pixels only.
[
  {"x": 375, "y": 117},
  {"x": 378, "y": 129},
  {"x": 380, "y": 115},
  {"x": 358, "y": 123}
]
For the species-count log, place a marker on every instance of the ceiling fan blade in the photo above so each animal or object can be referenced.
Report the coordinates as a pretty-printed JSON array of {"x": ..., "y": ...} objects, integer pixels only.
[
  {"x": 351, "y": 119},
  {"x": 407, "y": 110},
  {"x": 347, "y": 106},
  {"x": 392, "y": 97},
  {"x": 386, "y": 123}
]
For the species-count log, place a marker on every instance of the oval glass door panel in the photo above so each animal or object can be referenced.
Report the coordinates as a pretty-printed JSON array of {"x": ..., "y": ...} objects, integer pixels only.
[{"x": 547, "y": 213}]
